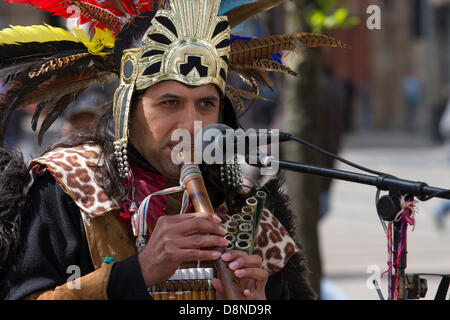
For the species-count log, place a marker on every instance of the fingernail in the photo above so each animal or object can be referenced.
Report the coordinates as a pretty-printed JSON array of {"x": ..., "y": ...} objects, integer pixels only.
[
  {"x": 216, "y": 255},
  {"x": 233, "y": 265},
  {"x": 223, "y": 230},
  {"x": 225, "y": 242},
  {"x": 239, "y": 273},
  {"x": 226, "y": 256},
  {"x": 217, "y": 218}
]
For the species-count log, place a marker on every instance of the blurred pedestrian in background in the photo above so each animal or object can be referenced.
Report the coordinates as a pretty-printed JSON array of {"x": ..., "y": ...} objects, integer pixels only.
[
  {"x": 444, "y": 128},
  {"x": 335, "y": 103},
  {"x": 80, "y": 115},
  {"x": 413, "y": 94}
]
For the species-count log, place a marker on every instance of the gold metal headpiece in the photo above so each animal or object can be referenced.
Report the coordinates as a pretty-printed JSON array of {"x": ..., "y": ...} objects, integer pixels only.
[{"x": 189, "y": 43}]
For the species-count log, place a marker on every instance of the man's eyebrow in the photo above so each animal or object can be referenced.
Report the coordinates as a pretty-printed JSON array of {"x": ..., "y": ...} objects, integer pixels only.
[
  {"x": 169, "y": 96},
  {"x": 174, "y": 96},
  {"x": 211, "y": 98}
]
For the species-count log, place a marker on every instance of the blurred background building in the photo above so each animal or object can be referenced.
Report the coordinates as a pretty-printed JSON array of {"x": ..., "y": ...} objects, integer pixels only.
[{"x": 400, "y": 72}]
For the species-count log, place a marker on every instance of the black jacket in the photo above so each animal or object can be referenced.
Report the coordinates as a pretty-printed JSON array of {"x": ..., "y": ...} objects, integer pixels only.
[{"x": 52, "y": 241}]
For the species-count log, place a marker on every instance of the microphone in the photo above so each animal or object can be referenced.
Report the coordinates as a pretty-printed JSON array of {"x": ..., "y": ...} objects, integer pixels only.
[
  {"x": 221, "y": 143},
  {"x": 225, "y": 137},
  {"x": 218, "y": 143}
]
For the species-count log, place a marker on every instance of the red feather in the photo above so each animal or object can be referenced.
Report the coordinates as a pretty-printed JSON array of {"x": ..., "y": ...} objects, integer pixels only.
[
  {"x": 148, "y": 5},
  {"x": 57, "y": 7},
  {"x": 129, "y": 7},
  {"x": 120, "y": 7},
  {"x": 63, "y": 9}
]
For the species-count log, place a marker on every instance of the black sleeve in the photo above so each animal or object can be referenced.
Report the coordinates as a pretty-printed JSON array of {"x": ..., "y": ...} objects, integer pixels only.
[
  {"x": 276, "y": 287},
  {"x": 126, "y": 281},
  {"x": 51, "y": 239}
]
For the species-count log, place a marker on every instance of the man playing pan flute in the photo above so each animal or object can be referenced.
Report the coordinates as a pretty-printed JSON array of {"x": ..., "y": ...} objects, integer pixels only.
[{"x": 78, "y": 222}]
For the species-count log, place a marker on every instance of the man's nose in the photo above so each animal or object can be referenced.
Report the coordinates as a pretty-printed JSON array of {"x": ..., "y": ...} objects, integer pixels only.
[{"x": 189, "y": 116}]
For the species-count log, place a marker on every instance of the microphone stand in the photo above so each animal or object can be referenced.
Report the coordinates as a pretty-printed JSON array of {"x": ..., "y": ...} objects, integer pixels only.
[
  {"x": 421, "y": 190},
  {"x": 409, "y": 286}
]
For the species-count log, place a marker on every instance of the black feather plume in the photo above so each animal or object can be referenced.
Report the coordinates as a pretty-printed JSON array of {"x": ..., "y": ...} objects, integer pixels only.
[
  {"x": 26, "y": 89},
  {"x": 54, "y": 112},
  {"x": 37, "y": 113}
]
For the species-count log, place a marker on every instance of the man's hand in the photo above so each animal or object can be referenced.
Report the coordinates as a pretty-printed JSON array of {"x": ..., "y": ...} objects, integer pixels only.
[
  {"x": 247, "y": 269},
  {"x": 177, "y": 239}
]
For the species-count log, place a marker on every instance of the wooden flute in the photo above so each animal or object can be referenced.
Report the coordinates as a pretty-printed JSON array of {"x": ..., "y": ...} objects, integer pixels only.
[{"x": 191, "y": 178}]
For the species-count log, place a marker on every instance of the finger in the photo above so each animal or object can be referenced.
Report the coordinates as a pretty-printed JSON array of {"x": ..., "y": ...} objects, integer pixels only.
[
  {"x": 205, "y": 215},
  {"x": 252, "y": 295},
  {"x": 217, "y": 285},
  {"x": 196, "y": 224},
  {"x": 233, "y": 255},
  {"x": 242, "y": 261},
  {"x": 186, "y": 216},
  {"x": 185, "y": 255},
  {"x": 257, "y": 274},
  {"x": 201, "y": 241}
]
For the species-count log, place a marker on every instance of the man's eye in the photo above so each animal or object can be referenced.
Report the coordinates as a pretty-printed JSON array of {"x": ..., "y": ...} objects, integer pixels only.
[
  {"x": 207, "y": 104},
  {"x": 170, "y": 102}
]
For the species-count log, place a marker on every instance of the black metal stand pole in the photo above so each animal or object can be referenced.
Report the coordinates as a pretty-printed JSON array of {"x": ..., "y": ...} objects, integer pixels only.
[
  {"x": 399, "y": 234},
  {"x": 391, "y": 183}
]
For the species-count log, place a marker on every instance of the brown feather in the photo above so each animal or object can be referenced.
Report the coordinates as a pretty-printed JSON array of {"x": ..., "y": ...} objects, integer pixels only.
[
  {"x": 54, "y": 112},
  {"x": 250, "y": 81},
  {"x": 56, "y": 64},
  {"x": 26, "y": 84},
  {"x": 265, "y": 79},
  {"x": 273, "y": 66},
  {"x": 105, "y": 17},
  {"x": 248, "y": 11},
  {"x": 235, "y": 95},
  {"x": 258, "y": 75},
  {"x": 234, "y": 98},
  {"x": 313, "y": 40},
  {"x": 250, "y": 95},
  {"x": 37, "y": 113},
  {"x": 244, "y": 52},
  {"x": 8, "y": 72},
  {"x": 59, "y": 86}
]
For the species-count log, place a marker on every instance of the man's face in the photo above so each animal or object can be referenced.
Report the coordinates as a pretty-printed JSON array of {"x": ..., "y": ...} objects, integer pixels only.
[{"x": 165, "y": 107}]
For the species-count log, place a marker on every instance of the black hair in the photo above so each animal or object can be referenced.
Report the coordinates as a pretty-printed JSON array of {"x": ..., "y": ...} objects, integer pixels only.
[
  {"x": 131, "y": 34},
  {"x": 13, "y": 183}
]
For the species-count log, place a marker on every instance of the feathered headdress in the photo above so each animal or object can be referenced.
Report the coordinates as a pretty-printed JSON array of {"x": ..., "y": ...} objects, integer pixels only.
[{"x": 51, "y": 66}]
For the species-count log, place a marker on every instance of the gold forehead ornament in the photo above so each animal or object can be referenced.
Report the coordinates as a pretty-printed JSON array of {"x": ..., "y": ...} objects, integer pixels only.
[{"x": 189, "y": 43}]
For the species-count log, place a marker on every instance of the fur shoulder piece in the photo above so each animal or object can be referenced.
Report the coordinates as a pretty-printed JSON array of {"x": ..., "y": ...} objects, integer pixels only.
[
  {"x": 296, "y": 270},
  {"x": 77, "y": 172}
]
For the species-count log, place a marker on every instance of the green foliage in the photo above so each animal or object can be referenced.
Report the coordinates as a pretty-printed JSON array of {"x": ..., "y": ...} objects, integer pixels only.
[{"x": 330, "y": 14}]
